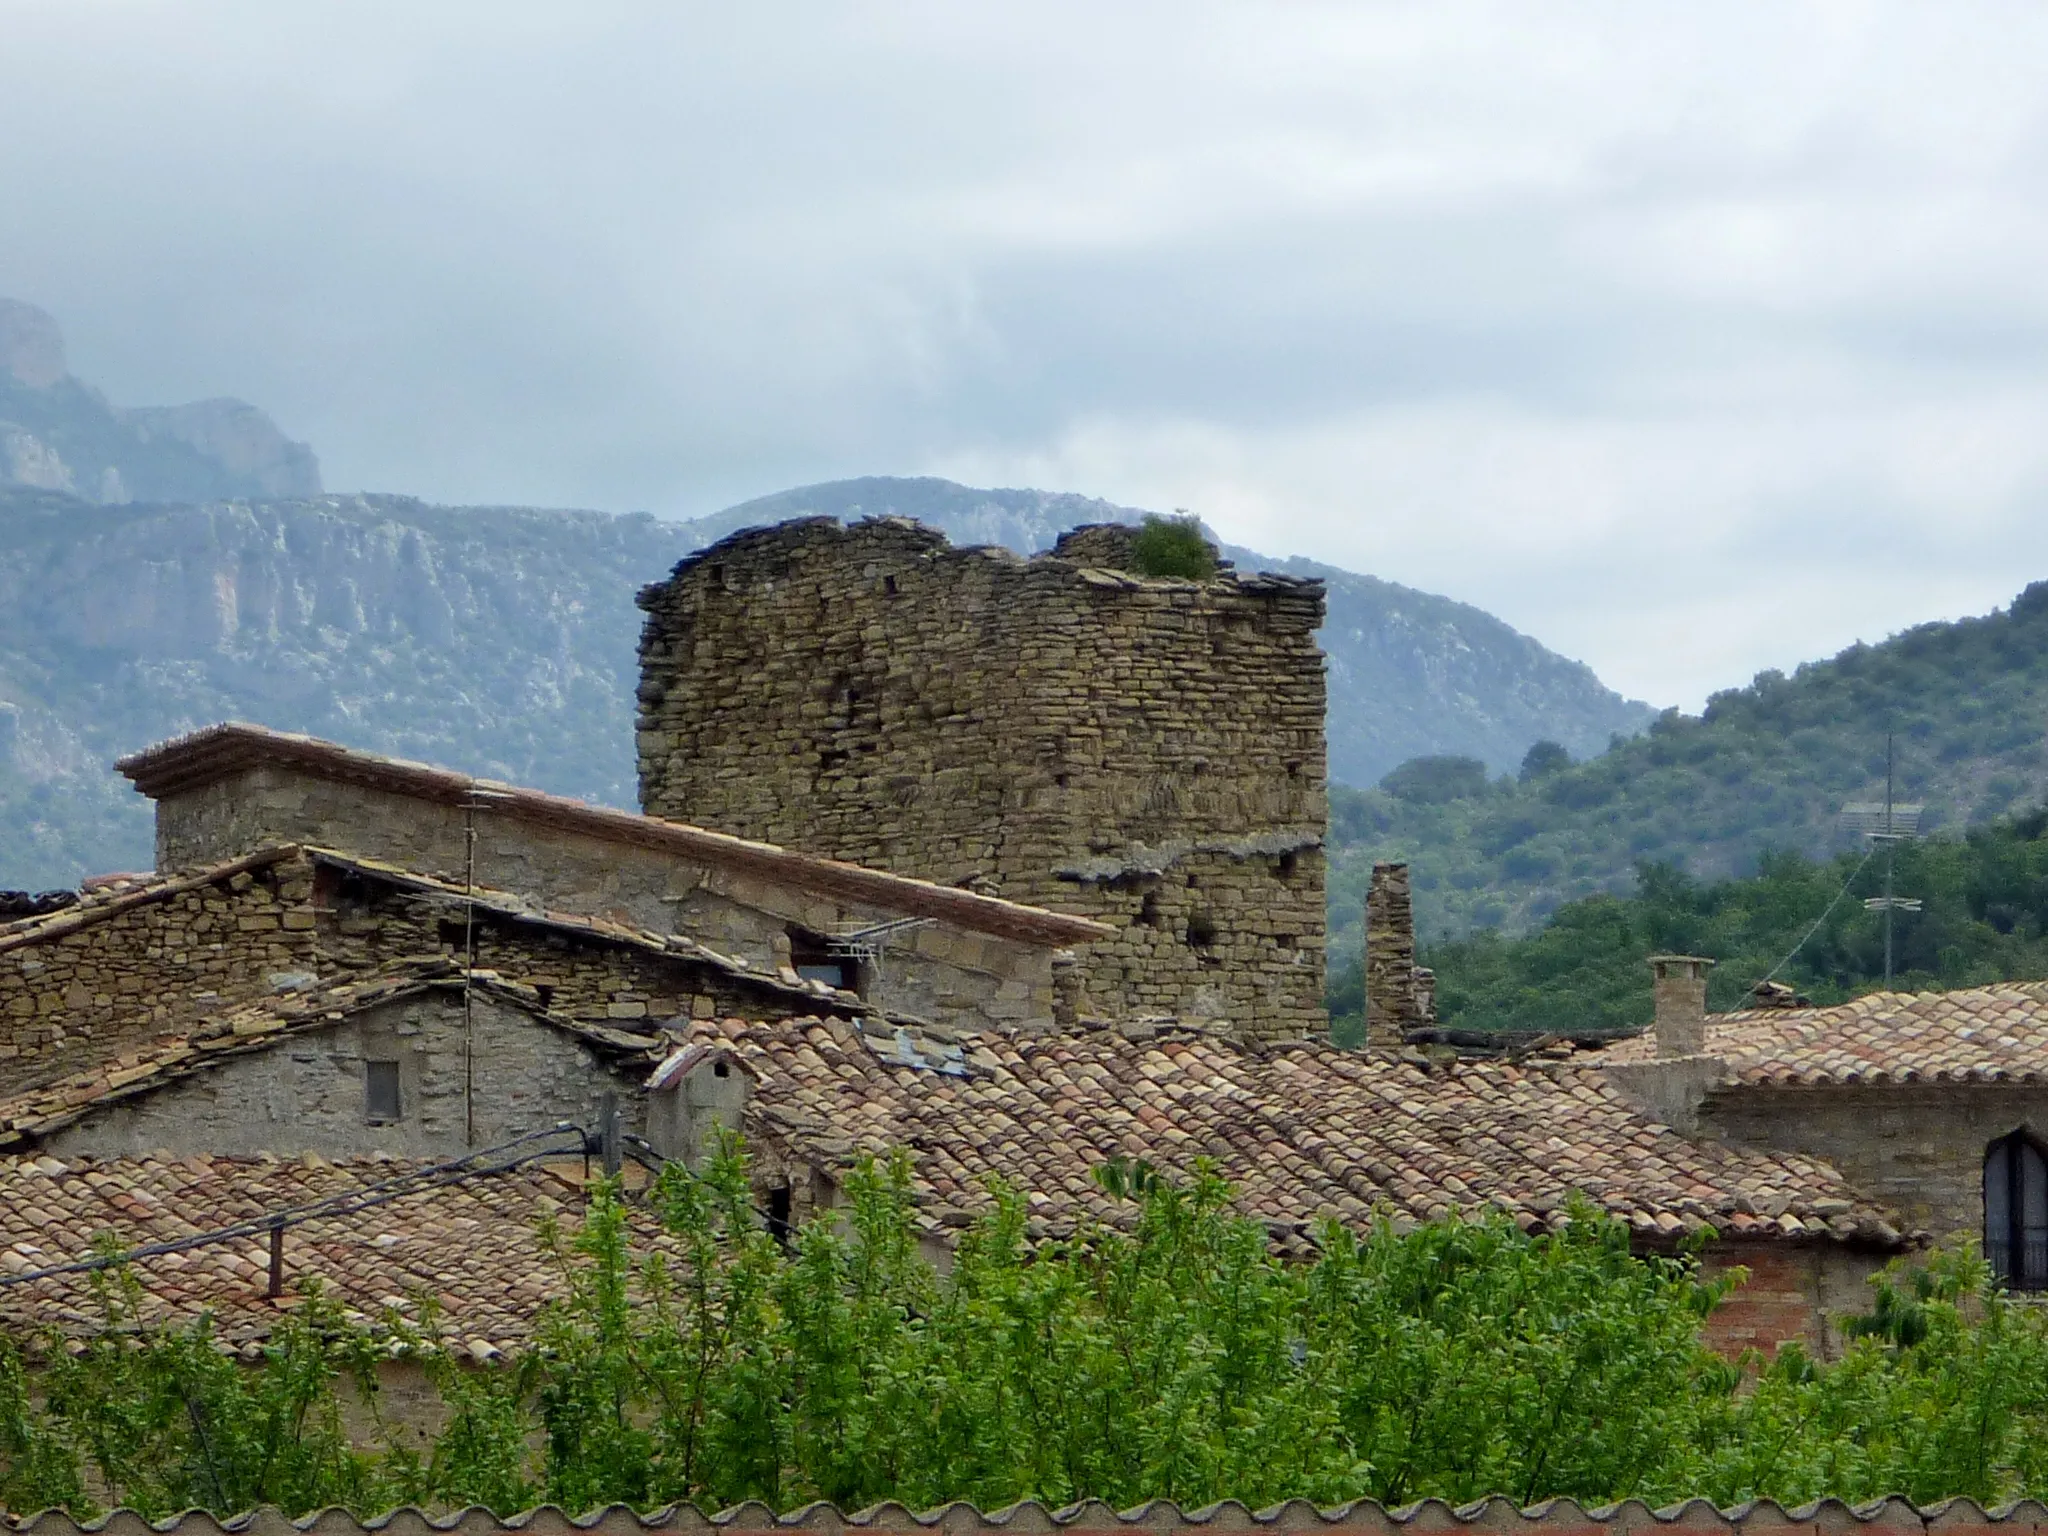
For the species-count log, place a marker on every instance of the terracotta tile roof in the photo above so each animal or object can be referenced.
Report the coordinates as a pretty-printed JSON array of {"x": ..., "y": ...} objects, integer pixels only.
[
  {"x": 205, "y": 757},
  {"x": 1304, "y": 1130},
  {"x": 1091, "y": 1517},
  {"x": 1979, "y": 1034},
  {"x": 471, "y": 1245},
  {"x": 30, "y": 1114}
]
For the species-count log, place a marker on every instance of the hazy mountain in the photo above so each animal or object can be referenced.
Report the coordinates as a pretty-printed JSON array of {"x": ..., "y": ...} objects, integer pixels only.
[
  {"x": 502, "y": 640},
  {"x": 58, "y": 434}
]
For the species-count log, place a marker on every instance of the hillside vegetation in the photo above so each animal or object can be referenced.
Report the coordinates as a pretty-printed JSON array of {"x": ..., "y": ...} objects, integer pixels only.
[
  {"x": 1984, "y": 919},
  {"x": 1764, "y": 769}
]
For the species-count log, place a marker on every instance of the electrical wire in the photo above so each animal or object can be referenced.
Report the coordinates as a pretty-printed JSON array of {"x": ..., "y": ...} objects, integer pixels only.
[
  {"x": 345, "y": 1203},
  {"x": 1830, "y": 912}
]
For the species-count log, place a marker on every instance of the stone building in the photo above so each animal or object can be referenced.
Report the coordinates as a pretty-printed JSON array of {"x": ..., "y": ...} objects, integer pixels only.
[
  {"x": 950, "y": 957},
  {"x": 1932, "y": 1105},
  {"x": 1058, "y": 731}
]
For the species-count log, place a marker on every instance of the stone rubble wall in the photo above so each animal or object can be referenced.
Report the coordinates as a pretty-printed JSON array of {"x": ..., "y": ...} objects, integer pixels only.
[
  {"x": 150, "y": 969},
  {"x": 1399, "y": 995},
  {"x": 1148, "y": 753},
  {"x": 938, "y": 972},
  {"x": 308, "y": 1093}
]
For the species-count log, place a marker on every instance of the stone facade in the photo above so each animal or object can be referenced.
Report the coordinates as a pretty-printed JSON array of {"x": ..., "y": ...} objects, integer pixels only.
[
  {"x": 1147, "y": 753},
  {"x": 510, "y": 1071},
  {"x": 1792, "y": 1292},
  {"x": 107, "y": 979},
  {"x": 945, "y": 969},
  {"x": 1916, "y": 1147}
]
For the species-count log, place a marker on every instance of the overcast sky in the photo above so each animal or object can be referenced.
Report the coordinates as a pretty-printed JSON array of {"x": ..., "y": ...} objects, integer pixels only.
[{"x": 1689, "y": 339}]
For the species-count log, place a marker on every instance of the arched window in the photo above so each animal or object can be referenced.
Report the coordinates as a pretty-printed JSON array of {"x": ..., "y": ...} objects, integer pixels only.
[{"x": 2016, "y": 1212}]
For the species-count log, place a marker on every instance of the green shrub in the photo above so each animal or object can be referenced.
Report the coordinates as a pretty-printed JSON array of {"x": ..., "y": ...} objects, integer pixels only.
[{"x": 1173, "y": 546}]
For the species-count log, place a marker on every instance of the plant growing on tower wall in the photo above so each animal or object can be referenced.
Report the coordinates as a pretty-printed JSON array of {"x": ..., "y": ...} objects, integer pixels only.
[{"x": 1173, "y": 546}]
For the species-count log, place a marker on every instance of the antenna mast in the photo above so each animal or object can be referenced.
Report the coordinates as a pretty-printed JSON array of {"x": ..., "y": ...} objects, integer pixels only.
[{"x": 1891, "y": 825}]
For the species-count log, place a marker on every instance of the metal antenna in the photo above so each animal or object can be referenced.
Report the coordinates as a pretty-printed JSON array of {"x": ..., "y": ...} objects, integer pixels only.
[{"x": 1890, "y": 825}]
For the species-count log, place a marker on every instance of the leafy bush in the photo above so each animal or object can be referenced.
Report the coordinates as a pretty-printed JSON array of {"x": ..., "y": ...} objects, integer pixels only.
[
  {"x": 1436, "y": 780},
  {"x": 1173, "y": 546},
  {"x": 1174, "y": 1357}
]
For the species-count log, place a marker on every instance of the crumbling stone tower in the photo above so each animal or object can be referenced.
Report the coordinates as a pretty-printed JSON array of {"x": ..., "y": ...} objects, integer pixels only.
[{"x": 1146, "y": 752}]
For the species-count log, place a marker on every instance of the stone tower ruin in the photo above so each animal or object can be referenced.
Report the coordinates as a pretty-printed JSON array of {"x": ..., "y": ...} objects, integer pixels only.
[{"x": 1144, "y": 751}]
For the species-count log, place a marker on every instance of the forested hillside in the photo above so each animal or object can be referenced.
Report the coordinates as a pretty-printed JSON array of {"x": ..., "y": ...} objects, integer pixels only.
[
  {"x": 1767, "y": 767},
  {"x": 1984, "y": 919}
]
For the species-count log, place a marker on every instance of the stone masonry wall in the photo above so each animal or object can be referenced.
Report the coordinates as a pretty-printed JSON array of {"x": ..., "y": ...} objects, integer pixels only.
[
  {"x": 1148, "y": 753},
  {"x": 145, "y": 971},
  {"x": 308, "y": 1093},
  {"x": 950, "y": 976},
  {"x": 1917, "y": 1148},
  {"x": 157, "y": 967}
]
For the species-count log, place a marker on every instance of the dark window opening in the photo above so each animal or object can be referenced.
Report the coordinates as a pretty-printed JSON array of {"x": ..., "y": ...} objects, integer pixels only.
[
  {"x": 454, "y": 933},
  {"x": 889, "y": 585},
  {"x": 718, "y": 575},
  {"x": 381, "y": 1102},
  {"x": 1288, "y": 864},
  {"x": 1061, "y": 779},
  {"x": 2016, "y": 1212},
  {"x": 811, "y": 954},
  {"x": 1194, "y": 882},
  {"x": 1202, "y": 929},
  {"x": 1284, "y": 940},
  {"x": 721, "y": 1069},
  {"x": 778, "y": 1214},
  {"x": 546, "y": 993},
  {"x": 832, "y": 758},
  {"x": 1148, "y": 910}
]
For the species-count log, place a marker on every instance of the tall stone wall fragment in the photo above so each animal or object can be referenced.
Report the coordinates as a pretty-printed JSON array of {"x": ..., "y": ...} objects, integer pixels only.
[{"x": 1145, "y": 752}]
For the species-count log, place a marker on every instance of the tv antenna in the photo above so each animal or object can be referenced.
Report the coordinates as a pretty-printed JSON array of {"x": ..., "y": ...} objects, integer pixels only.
[{"x": 1888, "y": 824}]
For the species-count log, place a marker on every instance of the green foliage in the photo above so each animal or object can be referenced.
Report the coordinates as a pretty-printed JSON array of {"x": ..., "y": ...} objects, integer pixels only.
[
  {"x": 1436, "y": 780},
  {"x": 1171, "y": 1356},
  {"x": 1544, "y": 758},
  {"x": 1763, "y": 768},
  {"x": 1173, "y": 546},
  {"x": 1985, "y": 919}
]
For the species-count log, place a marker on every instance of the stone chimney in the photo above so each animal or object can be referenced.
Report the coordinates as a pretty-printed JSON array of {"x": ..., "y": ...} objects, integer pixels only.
[
  {"x": 1681, "y": 991},
  {"x": 1393, "y": 1005}
]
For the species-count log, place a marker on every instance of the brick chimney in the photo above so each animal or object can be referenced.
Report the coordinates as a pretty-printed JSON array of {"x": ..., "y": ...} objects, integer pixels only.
[
  {"x": 1681, "y": 991},
  {"x": 1393, "y": 1004}
]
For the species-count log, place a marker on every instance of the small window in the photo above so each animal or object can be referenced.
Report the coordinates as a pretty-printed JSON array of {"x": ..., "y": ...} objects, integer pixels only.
[
  {"x": 812, "y": 956},
  {"x": 2016, "y": 1212},
  {"x": 1202, "y": 929},
  {"x": 545, "y": 991},
  {"x": 720, "y": 1069},
  {"x": 779, "y": 1226},
  {"x": 380, "y": 1092},
  {"x": 1148, "y": 910},
  {"x": 1288, "y": 863},
  {"x": 889, "y": 585},
  {"x": 454, "y": 933}
]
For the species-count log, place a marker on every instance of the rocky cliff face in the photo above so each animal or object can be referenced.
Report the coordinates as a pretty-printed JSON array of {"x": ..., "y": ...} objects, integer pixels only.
[
  {"x": 58, "y": 434},
  {"x": 501, "y": 640}
]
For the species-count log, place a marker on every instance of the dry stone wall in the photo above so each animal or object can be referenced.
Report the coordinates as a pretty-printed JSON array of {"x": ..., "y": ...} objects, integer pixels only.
[
  {"x": 123, "y": 977},
  {"x": 1148, "y": 753}
]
